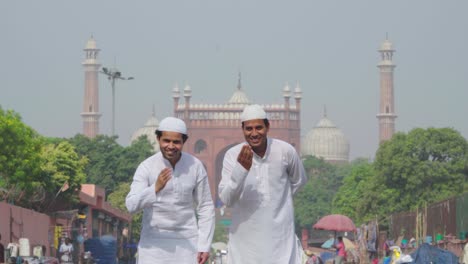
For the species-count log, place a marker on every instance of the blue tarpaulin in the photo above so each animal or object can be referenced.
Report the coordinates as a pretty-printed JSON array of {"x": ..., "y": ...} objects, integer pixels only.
[{"x": 430, "y": 254}]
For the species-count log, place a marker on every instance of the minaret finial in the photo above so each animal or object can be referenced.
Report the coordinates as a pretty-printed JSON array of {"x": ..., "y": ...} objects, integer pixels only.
[{"x": 239, "y": 83}]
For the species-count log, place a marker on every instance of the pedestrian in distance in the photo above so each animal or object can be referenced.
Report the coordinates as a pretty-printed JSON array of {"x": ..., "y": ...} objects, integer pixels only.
[
  {"x": 340, "y": 251},
  {"x": 66, "y": 251},
  {"x": 259, "y": 179},
  {"x": 171, "y": 187}
]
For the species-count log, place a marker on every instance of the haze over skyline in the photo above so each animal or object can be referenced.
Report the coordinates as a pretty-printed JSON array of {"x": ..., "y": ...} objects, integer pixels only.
[{"x": 329, "y": 47}]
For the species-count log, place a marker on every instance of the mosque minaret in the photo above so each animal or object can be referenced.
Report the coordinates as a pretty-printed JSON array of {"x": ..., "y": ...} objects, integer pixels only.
[
  {"x": 387, "y": 114},
  {"x": 90, "y": 112}
]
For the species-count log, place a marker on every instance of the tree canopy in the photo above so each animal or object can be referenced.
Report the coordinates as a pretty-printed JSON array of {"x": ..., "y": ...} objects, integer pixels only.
[
  {"x": 410, "y": 170},
  {"x": 61, "y": 173},
  {"x": 110, "y": 163},
  {"x": 20, "y": 147},
  {"x": 314, "y": 200},
  {"x": 357, "y": 197},
  {"x": 32, "y": 170},
  {"x": 423, "y": 166}
]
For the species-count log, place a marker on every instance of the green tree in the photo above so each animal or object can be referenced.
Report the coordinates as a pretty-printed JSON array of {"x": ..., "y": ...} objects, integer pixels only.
[
  {"x": 103, "y": 153},
  {"x": 20, "y": 161},
  {"x": 109, "y": 163},
  {"x": 315, "y": 198},
  {"x": 61, "y": 173},
  {"x": 423, "y": 166},
  {"x": 359, "y": 196},
  {"x": 131, "y": 157}
]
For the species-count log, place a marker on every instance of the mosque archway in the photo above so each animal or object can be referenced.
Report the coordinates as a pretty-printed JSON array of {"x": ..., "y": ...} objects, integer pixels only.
[{"x": 200, "y": 146}]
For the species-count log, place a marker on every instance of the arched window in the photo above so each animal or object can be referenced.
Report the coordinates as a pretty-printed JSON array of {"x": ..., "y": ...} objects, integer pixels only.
[{"x": 200, "y": 146}]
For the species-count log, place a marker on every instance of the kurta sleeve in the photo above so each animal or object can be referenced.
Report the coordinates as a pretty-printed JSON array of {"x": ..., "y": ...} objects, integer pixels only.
[
  {"x": 296, "y": 172},
  {"x": 205, "y": 211},
  {"x": 141, "y": 194},
  {"x": 233, "y": 178}
]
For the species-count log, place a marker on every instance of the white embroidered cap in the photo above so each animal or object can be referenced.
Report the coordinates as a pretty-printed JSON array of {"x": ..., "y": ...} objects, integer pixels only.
[
  {"x": 252, "y": 112},
  {"x": 172, "y": 124}
]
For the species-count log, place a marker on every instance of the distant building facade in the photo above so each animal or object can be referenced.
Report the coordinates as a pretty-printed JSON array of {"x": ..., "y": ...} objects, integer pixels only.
[
  {"x": 214, "y": 128},
  {"x": 97, "y": 219}
]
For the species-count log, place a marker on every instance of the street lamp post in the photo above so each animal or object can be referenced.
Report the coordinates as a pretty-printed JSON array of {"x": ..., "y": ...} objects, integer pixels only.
[{"x": 112, "y": 75}]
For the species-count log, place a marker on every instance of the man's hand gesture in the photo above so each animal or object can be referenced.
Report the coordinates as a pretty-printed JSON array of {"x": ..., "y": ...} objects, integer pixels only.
[
  {"x": 163, "y": 178},
  {"x": 245, "y": 157},
  {"x": 202, "y": 257}
]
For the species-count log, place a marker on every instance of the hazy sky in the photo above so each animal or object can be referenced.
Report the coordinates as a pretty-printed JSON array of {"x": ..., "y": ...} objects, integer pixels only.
[{"x": 329, "y": 47}]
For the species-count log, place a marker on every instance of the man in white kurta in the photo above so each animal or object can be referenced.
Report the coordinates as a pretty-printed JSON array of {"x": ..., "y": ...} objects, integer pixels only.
[
  {"x": 167, "y": 186},
  {"x": 258, "y": 183}
]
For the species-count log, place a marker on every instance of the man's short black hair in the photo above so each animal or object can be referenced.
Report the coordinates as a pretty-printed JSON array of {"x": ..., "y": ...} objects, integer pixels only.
[
  {"x": 159, "y": 134},
  {"x": 267, "y": 123}
]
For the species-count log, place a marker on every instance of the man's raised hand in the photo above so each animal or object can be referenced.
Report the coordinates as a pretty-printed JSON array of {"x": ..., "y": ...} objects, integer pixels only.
[
  {"x": 245, "y": 157},
  {"x": 163, "y": 178}
]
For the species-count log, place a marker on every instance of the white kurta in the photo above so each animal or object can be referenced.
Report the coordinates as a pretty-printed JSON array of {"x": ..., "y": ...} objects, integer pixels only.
[
  {"x": 465, "y": 254},
  {"x": 262, "y": 229},
  {"x": 170, "y": 230}
]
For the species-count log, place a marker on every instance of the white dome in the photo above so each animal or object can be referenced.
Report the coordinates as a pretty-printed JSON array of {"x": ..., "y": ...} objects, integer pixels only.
[
  {"x": 239, "y": 97},
  {"x": 326, "y": 141},
  {"x": 149, "y": 130}
]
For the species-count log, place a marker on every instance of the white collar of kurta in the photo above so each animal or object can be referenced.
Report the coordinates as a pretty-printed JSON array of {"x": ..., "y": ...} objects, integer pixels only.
[
  {"x": 168, "y": 163},
  {"x": 267, "y": 152}
]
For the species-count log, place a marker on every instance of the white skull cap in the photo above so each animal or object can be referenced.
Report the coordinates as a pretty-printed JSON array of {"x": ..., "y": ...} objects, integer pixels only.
[
  {"x": 172, "y": 124},
  {"x": 252, "y": 112}
]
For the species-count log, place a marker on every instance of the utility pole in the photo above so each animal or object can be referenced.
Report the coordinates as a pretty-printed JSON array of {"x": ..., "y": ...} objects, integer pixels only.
[{"x": 112, "y": 75}]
